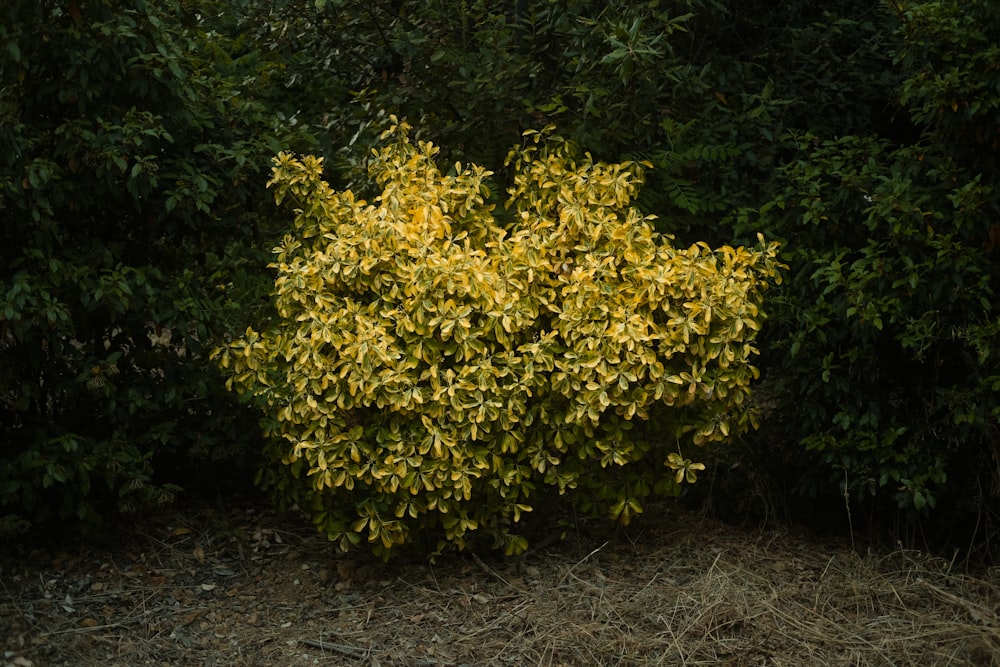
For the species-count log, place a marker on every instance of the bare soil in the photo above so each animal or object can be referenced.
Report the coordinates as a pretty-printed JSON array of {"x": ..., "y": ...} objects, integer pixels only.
[{"x": 246, "y": 586}]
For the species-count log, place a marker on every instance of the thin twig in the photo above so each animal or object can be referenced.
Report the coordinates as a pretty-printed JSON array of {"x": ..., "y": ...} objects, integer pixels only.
[
  {"x": 342, "y": 649},
  {"x": 579, "y": 563},
  {"x": 493, "y": 573}
]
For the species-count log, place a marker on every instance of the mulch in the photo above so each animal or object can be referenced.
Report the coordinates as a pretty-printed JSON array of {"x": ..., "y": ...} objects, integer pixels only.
[{"x": 211, "y": 586}]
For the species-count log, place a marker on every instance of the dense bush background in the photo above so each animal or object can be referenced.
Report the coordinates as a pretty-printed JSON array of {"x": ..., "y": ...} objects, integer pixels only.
[
  {"x": 862, "y": 133},
  {"x": 133, "y": 150}
]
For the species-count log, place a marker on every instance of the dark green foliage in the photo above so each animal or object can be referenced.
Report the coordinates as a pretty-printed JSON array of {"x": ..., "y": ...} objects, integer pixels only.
[
  {"x": 132, "y": 157},
  {"x": 480, "y": 73},
  {"x": 950, "y": 55},
  {"x": 886, "y": 340},
  {"x": 884, "y": 350}
]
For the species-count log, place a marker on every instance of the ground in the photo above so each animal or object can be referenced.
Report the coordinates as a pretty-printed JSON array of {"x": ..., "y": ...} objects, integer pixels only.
[{"x": 242, "y": 585}]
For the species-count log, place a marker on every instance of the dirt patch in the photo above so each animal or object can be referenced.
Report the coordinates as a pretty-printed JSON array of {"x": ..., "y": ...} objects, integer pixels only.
[{"x": 246, "y": 586}]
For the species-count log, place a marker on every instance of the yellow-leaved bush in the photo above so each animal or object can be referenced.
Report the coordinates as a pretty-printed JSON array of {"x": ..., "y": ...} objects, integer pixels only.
[{"x": 434, "y": 375}]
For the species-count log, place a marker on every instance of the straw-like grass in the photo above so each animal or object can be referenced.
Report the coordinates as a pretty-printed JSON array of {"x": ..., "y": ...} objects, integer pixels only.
[{"x": 680, "y": 590}]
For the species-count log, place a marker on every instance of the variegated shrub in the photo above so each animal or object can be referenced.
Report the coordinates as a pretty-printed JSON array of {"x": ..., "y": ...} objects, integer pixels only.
[{"x": 434, "y": 374}]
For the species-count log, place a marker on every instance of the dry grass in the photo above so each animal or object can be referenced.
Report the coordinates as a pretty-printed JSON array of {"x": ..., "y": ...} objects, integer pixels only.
[{"x": 249, "y": 588}]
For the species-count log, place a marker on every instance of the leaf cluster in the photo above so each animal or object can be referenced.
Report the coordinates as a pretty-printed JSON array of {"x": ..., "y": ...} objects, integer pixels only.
[{"x": 432, "y": 372}]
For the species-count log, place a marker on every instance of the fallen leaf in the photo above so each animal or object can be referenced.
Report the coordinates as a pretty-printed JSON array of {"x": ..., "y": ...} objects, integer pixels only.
[
  {"x": 191, "y": 617},
  {"x": 208, "y": 587},
  {"x": 199, "y": 555}
]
